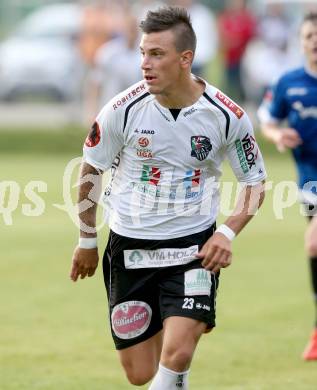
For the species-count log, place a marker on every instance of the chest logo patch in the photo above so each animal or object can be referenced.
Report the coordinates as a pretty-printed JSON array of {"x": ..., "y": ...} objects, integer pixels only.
[
  {"x": 201, "y": 147},
  {"x": 143, "y": 142}
]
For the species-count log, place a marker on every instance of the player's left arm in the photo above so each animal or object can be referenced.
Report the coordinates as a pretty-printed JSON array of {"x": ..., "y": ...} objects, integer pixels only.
[{"x": 247, "y": 164}]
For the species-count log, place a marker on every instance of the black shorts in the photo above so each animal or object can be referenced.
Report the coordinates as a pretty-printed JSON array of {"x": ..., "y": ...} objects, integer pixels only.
[
  {"x": 310, "y": 210},
  {"x": 148, "y": 281}
]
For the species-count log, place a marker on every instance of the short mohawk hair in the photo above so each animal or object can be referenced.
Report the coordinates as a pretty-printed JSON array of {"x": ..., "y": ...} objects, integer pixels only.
[{"x": 172, "y": 18}]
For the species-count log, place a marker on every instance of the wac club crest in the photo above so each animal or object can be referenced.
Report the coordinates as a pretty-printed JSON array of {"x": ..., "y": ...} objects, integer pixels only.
[{"x": 201, "y": 147}]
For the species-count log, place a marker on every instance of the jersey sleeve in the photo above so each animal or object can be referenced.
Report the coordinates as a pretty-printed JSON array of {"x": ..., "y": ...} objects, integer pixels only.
[
  {"x": 105, "y": 139},
  {"x": 274, "y": 105},
  {"x": 243, "y": 153}
]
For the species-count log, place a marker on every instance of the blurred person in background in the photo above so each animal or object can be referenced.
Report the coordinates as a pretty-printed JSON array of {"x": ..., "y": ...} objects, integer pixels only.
[
  {"x": 270, "y": 54},
  {"x": 205, "y": 27},
  {"x": 294, "y": 98},
  {"x": 237, "y": 26},
  {"x": 165, "y": 138},
  {"x": 116, "y": 66}
]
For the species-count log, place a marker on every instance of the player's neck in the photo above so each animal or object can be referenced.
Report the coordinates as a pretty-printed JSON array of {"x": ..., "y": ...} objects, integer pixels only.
[
  {"x": 312, "y": 68},
  {"x": 185, "y": 95}
]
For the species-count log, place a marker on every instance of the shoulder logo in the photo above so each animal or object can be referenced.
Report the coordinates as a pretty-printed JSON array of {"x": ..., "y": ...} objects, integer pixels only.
[
  {"x": 131, "y": 94},
  {"x": 247, "y": 151},
  {"x": 93, "y": 137},
  {"x": 229, "y": 103},
  {"x": 201, "y": 147}
]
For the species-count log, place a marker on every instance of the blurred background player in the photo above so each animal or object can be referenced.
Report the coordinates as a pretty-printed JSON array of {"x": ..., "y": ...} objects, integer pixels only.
[
  {"x": 116, "y": 65},
  {"x": 205, "y": 27},
  {"x": 271, "y": 53},
  {"x": 237, "y": 26},
  {"x": 294, "y": 98}
]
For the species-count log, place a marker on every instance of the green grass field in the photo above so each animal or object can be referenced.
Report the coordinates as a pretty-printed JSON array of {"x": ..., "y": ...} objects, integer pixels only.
[{"x": 55, "y": 335}]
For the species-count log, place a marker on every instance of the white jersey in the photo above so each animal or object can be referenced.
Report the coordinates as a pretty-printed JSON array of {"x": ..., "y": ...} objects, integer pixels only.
[{"x": 166, "y": 171}]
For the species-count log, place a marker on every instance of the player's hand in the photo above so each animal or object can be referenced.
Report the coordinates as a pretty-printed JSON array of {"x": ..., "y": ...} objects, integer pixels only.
[
  {"x": 287, "y": 138},
  {"x": 216, "y": 253},
  {"x": 85, "y": 262}
]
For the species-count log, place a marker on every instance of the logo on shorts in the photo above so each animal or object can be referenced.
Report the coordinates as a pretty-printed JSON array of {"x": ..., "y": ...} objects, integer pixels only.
[
  {"x": 197, "y": 282},
  {"x": 135, "y": 259},
  {"x": 131, "y": 319},
  {"x": 201, "y": 147}
]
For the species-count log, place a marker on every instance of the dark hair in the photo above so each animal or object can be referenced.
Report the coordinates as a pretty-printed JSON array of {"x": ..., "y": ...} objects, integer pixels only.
[
  {"x": 175, "y": 18},
  {"x": 310, "y": 17}
]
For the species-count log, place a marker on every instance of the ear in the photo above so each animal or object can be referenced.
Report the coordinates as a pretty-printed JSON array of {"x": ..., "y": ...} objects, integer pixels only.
[{"x": 186, "y": 58}]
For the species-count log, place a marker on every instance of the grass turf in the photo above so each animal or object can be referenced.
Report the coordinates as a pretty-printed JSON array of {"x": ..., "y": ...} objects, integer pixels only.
[{"x": 55, "y": 334}]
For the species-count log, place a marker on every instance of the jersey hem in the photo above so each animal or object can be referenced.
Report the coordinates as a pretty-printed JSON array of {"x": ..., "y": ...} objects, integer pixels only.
[{"x": 127, "y": 233}]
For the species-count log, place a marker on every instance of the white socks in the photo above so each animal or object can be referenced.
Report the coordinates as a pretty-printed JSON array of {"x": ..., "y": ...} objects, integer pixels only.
[{"x": 166, "y": 379}]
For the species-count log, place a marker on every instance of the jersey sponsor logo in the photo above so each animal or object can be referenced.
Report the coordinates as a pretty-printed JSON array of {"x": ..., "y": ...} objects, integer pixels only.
[
  {"x": 94, "y": 136},
  {"x": 150, "y": 174},
  {"x": 191, "y": 183},
  {"x": 201, "y": 147},
  {"x": 131, "y": 319},
  {"x": 144, "y": 131},
  {"x": 150, "y": 189},
  {"x": 143, "y": 142},
  {"x": 189, "y": 112},
  {"x": 192, "y": 178},
  {"x": 143, "y": 147},
  {"x": 197, "y": 282},
  {"x": 165, "y": 257},
  {"x": 125, "y": 99},
  {"x": 297, "y": 91},
  {"x": 229, "y": 103},
  {"x": 305, "y": 112},
  {"x": 247, "y": 152}
]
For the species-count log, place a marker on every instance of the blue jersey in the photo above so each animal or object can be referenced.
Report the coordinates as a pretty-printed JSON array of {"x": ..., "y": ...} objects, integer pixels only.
[{"x": 294, "y": 98}]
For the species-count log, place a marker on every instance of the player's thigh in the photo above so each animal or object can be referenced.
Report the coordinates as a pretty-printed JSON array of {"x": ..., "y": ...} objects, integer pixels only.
[
  {"x": 133, "y": 302},
  {"x": 181, "y": 335},
  {"x": 190, "y": 291}
]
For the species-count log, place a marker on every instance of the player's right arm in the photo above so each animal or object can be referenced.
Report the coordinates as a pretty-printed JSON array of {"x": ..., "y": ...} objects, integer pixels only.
[
  {"x": 272, "y": 112},
  {"x": 103, "y": 143},
  {"x": 85, "y": 260}
]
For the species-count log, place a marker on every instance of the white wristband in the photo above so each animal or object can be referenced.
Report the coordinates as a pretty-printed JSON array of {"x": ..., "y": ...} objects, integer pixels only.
[
  {"x": 226, "y": 231},
  {"x": 87, "y": 243}
]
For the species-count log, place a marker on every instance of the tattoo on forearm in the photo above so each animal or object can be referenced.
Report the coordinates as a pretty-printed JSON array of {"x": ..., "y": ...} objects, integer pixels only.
[{"x": 89, "y": 192}]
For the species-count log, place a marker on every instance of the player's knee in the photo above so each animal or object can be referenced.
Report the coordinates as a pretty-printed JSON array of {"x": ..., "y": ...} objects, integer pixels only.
[
  {"x": 139, "y": 377},
  {"x": 177, "y": 359}
]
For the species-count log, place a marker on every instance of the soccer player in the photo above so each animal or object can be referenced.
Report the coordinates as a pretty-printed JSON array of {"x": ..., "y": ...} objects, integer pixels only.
[
  {"x": 294, "y": 98},
  {"x": 165, "y": 138}
]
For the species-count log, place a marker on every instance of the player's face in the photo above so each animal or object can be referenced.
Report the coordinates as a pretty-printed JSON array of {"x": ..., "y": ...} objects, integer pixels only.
[
  {"x": 161, "y": 63},
  {"x": 309, "y": 41}
]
